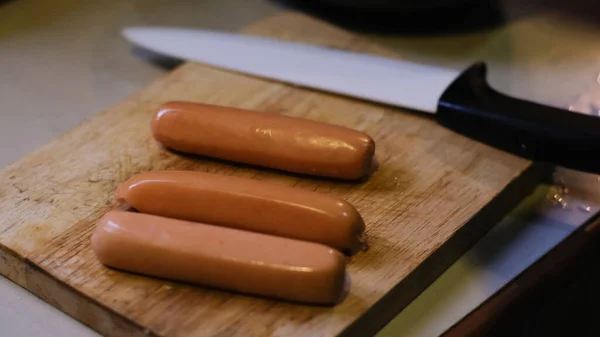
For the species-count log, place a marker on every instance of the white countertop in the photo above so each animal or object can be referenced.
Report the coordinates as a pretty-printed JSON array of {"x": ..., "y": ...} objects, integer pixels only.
[{"x": 63, "y": 61}]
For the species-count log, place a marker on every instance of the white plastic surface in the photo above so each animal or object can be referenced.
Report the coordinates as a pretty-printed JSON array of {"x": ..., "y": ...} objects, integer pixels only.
[{"x": 514, "y": 244}]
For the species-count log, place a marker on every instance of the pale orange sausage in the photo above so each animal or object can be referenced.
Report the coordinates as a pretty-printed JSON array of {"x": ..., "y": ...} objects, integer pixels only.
[
  {"x": 247, "y": 204},
  {"x": 264, "y": 139},
  {"x": 220, "y": 257}
]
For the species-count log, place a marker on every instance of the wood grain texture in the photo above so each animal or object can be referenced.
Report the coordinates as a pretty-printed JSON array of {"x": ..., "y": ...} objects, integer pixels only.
[{"x": 434, "y": 194}]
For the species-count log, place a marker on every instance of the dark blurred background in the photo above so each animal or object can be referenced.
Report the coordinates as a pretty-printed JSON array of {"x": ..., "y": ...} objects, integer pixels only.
[{"x": 437, "y": 16}]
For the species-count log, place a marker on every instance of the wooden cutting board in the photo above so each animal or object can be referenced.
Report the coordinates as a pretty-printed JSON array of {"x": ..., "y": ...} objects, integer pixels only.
[{"x": 434, "y": 194}]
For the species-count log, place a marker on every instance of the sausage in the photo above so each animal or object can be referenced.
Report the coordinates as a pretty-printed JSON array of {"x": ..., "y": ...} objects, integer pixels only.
[
  {"x": 220, "y": 257},
  {"x": 247, "y": 204},
  {"x": 264, "y": 139}
]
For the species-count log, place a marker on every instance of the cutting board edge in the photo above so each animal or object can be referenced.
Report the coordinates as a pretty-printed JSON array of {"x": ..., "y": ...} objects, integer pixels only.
[
  {"x": 48, "y": 288},
  {"x": 134, "y": 96},
  {"x": 380, "y": 314}
]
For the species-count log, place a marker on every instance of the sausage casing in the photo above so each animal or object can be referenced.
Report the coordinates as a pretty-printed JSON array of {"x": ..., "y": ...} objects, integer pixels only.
[
  {"x": 248, "y": 204},
  {"x": 264, "y": 139},
  {"x": 220, "y": 257}
]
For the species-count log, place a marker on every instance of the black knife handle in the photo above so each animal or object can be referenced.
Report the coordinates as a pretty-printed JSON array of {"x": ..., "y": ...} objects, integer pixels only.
[{"x": 537, "y": 132}]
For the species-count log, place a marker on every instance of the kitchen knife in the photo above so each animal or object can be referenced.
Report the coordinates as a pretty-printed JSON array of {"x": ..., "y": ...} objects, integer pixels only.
[{"x": 462, "y": 101}]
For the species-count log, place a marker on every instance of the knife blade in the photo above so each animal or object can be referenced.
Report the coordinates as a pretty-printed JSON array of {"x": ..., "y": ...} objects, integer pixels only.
[{"x": 462, "y": 101}]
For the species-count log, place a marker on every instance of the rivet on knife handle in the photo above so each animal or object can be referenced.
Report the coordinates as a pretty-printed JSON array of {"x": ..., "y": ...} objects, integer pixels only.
[{"x": 537, "y": 132}]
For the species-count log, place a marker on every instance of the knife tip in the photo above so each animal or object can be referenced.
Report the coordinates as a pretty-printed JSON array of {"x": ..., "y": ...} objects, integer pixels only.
[{"x": 129, "y": 32}]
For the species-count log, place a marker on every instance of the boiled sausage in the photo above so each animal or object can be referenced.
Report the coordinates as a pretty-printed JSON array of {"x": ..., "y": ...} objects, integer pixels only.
[
  {"x": 220, "y": 257},
  {"x": 264, "y": 139},
  {"x": 247, "y": 204}
]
